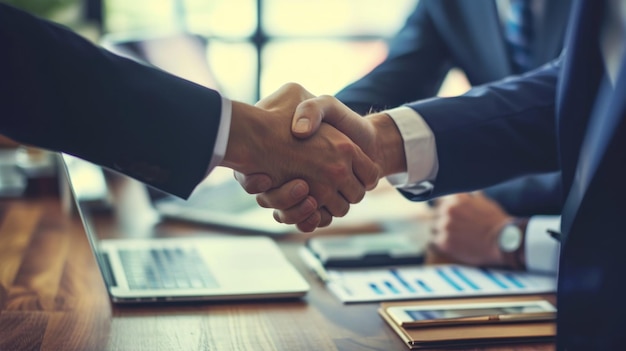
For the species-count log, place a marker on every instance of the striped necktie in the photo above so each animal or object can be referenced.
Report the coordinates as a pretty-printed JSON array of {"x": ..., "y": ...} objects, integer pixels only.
[{"x": 519, "y": 34}]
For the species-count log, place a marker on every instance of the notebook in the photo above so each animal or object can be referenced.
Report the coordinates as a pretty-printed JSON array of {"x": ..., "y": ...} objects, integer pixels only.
[
  {"x": 471, "y": 335},
  {"x": 142, "y": 268}
]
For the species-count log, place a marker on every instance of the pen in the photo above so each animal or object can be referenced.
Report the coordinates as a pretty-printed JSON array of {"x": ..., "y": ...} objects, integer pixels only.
[
  {"x": 494, "y": 318},
  {"x": 554, "y": 234}
]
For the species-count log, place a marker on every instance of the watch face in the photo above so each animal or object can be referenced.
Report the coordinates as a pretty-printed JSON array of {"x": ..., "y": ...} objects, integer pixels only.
[{"x": 510, "y": 238}]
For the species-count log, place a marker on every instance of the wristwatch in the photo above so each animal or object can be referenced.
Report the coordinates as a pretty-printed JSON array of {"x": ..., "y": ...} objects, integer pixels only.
[{"x": 511, "y": 244}]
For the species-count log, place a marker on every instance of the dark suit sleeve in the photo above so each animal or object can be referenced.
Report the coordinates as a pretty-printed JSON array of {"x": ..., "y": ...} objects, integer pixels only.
[
  {"x": 414, "y": 69},
  {"x": 494, "y": 132},
  {"x": 60, "y": 92},
  {"x": 531, "y": 195}
]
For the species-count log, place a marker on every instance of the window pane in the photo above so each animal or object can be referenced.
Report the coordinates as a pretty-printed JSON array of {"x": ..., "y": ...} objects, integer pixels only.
[
  {"x": 122, "y": 16},
  {"x": 234, "y": 67},
  {"x": 335, "y": 17},
  {"x": 321, "y": 66},
  {"x": 226, "y": 18}
]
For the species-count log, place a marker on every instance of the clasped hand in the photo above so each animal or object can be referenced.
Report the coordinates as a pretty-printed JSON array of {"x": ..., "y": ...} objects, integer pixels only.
[{"x": 310, "y": 171}]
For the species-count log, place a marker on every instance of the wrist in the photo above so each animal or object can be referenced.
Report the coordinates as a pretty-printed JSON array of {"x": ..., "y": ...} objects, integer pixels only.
[
  {"x": 389, "y": 144},
  {"x": 245, "y": 129}
]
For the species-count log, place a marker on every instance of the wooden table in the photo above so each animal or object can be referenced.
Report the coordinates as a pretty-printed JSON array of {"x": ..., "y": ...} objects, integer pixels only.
[{"x": 52, "y": 297}]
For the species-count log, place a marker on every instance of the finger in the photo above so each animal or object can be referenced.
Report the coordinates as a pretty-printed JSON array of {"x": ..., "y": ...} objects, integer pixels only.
[
  {"x": 353, "y": 192},
  {"x": 285, "y": 196},
  {"x": 298, "y": 213},
  {"x": 365, "y": 170},
  {"x": 311, "y": 223},
  {"x": 326, "y": 218},
  {"x": 337, "y": 205},
  {"x": 254, "y": 183}
]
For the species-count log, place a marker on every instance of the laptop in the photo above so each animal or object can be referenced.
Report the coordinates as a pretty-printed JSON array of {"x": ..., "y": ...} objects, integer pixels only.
[{"x": 142, "y": 265}]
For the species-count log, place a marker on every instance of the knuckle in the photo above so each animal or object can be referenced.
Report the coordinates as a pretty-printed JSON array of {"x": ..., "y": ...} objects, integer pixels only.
[
  {"x": 292, "y": 85},
  {"x": 326, "y": 98}
]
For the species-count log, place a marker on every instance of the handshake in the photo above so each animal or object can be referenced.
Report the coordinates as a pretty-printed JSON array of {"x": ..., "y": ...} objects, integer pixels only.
[{"x": 310, "y": 157}]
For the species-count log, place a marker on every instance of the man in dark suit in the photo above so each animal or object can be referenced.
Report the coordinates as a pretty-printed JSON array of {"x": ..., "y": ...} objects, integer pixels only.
[
  {"x": 569, "y": 115},
  {"x": 478, "y": 38},
  {"x": 471, "y": 36},
  {"x": 58, "y": 91}
]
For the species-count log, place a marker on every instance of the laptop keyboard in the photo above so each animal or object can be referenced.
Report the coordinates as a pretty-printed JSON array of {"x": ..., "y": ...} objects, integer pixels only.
[{"x": 165, "y": 268}]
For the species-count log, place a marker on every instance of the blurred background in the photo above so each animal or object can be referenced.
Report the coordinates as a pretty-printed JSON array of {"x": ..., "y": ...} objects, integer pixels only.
[{"x": 246, "y": 49}]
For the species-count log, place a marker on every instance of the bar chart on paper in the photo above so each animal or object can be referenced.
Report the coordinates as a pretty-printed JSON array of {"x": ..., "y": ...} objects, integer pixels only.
[{"x": 432, "y": 281}]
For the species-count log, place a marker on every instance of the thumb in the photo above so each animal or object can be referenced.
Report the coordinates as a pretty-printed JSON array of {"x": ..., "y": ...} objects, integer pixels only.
[{"x": 310, "y": 113}]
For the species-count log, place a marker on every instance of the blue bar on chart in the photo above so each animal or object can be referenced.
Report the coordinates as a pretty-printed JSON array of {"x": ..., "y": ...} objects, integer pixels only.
[
  {"x": 399, "y": 278},
  {"x": 494, "y": 279},
  {"x": 457, "y": 271},
  {"x": 446, "y": 278}
]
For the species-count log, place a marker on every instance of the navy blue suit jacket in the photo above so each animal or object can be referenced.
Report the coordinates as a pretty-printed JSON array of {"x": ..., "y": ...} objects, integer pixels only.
[
  {"x": 440, "y": 35},
  {"x": 60, "y": 92},
  {"x": 538, "y": 123}
]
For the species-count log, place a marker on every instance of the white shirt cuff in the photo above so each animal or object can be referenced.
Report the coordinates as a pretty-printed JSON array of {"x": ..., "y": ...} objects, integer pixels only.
[
  {"x": 221, "y": 140},
  {"x": 419, "y": 148},
  {"x": 542, "y": 250}
]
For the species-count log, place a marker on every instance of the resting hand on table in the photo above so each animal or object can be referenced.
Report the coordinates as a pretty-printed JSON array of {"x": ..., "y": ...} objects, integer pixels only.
[
  {"x": 336, "y": 171},
  {"x": 466, "y": 228},
  {"x": 376, "y": 135}
]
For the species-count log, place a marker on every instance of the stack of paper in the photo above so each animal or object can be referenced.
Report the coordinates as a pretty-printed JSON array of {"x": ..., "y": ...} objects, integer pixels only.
[{"x": 432, "y": 281}]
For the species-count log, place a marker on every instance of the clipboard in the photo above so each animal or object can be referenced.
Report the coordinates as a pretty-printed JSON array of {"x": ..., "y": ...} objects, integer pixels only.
[{"x": 471, "y": 334}]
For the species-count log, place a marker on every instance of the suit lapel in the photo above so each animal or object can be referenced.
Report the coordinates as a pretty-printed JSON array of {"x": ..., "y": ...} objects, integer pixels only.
[
  {"x": 607, "y": 124},
  {"x": 582, "y": 69},
  {"x": 550, "y": 30}
]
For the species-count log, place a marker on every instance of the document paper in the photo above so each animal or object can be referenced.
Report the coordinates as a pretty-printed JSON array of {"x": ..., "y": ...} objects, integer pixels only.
[{"x": 432, "y": 281}]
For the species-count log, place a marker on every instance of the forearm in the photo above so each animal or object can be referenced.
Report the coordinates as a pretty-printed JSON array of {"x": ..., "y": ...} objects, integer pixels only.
[
  {"x": 63, "y": 93},
  {"x": 467, "y": 127}
]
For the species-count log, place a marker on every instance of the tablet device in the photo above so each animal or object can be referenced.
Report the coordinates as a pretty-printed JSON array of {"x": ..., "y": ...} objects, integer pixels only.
[
  {"x": 358, "y": 250},
  {"x": 472, "y": 313}
]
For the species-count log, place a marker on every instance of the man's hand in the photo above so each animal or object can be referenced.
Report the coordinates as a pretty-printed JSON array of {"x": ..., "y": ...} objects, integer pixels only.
[
  {"x": 466, "y": 228},
  {"x": 335, "y": 169},
  {"x": 376, "y": 134}
]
